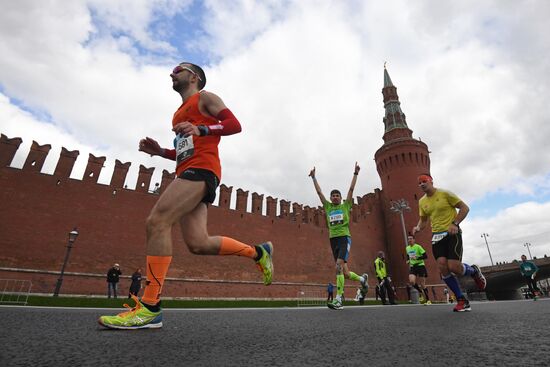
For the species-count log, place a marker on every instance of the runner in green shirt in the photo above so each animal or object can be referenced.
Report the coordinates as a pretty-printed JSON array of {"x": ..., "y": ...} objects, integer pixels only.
[
  {"x": 417, "y": 268},
  {"x": 338, "y": 214}
]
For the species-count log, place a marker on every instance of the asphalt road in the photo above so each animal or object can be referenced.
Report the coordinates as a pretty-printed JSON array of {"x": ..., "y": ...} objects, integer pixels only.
[{"x": 507, "y": 333}]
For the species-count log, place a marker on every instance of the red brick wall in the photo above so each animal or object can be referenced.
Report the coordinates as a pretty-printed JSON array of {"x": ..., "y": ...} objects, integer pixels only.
[{"x": 38, "y": 211}]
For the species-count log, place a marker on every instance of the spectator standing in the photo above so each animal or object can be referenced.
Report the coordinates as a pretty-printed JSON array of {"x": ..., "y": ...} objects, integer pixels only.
[
  {"x": 383, "y": 279},
  {"x": 113, "y": 276},
  {"x": 330, "y": 292},
  {"x": 136, "y": 283}
]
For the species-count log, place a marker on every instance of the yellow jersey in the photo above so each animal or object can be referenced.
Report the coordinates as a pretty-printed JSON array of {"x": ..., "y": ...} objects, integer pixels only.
[{"x": 439, "y": 208}]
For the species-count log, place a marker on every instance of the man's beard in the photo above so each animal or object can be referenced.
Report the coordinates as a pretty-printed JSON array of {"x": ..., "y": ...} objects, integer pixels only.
[{"x": 180, "y": 86}]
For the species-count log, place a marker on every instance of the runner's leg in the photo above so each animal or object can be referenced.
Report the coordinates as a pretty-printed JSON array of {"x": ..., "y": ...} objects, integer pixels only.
[
  {"x": 195, "y": 234},
  {"x": 445, "y": 268},
  {"x": 179, "y": 199}
]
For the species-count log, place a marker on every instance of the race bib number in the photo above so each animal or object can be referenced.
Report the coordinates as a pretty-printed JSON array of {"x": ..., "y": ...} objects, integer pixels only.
[
  {"x": 184, "y": 148},
  {"x": 336, "y": 217},
  {"x": 436, "y": 237},
  {"x": 412, "y": 255}
]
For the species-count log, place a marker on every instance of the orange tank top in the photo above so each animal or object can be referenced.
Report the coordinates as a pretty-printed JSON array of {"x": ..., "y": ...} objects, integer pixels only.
[{"x": 196, "y": 151}]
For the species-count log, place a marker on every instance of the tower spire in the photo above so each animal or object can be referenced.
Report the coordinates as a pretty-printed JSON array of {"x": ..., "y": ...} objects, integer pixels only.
[
  {"x": 399, "y": 161},
  {"x": 387, "y": 79},
  {"x": 394, "y": 118}
]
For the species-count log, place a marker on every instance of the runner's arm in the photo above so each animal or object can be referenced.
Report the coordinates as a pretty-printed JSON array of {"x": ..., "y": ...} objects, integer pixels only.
[
  {"x": 317, "y": 187},
  {"x": 214, "y": 106},
  {"x": 151, "y": 146},
  {"x": 463, "y": 210},
  {"x": 422, "y": 222},
  {"x": 423, "y": 253},
  {"x": 353, "y": 182}
]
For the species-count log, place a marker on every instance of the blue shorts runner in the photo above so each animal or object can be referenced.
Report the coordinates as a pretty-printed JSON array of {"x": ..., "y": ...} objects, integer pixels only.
[{"x": 340, "y": 247}]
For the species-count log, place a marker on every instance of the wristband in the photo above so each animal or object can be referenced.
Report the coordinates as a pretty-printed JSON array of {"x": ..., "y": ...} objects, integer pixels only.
[
  {"x": 203, "y": 130},
  {"x": 456, "y": 224}
]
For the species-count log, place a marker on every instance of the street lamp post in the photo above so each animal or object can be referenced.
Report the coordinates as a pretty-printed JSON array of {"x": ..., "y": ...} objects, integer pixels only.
[
  {"x": 398, "y": 207},
  {"x": 485, "y": 235},
  {"x": 72, "y": 237},
  {"x": 528, "y": 250}
]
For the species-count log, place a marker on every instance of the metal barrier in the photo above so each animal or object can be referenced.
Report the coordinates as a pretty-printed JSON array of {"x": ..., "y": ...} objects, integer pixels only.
[
  {"x": 312, "y": 298},
  {"x": 15, "y": 291}
]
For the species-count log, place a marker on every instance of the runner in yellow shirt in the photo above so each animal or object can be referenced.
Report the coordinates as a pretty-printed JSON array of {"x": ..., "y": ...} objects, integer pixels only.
[{"x": 439, "y": 207}]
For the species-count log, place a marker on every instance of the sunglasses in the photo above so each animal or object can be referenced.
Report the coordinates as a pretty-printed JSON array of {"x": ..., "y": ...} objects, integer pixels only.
[{"x": 178, "y": 69}]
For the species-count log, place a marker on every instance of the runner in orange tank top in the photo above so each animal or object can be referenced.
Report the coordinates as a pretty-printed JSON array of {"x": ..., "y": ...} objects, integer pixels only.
[
  {"x": 198, "y": 123},
  {"x": 205, "y": 154}
]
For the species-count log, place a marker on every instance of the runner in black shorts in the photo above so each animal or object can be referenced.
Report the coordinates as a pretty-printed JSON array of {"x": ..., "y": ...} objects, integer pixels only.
[
  {"x": 439, "y": 207},
  {"x": 417, "y": 268},
  {"x": 198, "y": 125}
]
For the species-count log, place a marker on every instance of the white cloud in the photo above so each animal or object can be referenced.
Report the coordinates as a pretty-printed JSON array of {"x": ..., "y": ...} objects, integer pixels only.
[
  {"x": 508, "y": 231},
  {"x": 304, "y": 78}
]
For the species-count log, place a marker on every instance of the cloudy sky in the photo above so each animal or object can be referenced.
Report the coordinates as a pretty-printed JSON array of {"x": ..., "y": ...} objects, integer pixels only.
[{"x": 305, "y": 79}]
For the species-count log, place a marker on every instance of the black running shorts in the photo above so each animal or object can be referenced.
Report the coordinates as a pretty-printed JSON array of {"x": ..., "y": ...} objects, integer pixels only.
[
  {"x": 450, "y": 247},
  {"x": 211, "y": 180},
  {"x": 419, "y": 271}
]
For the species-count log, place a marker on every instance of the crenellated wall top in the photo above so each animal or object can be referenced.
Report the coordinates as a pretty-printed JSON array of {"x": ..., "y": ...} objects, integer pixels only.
[{"x": 254, "y": 204}]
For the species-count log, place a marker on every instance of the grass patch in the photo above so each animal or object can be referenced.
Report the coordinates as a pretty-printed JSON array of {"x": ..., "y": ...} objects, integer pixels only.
[{"x": 50, "y": 301}]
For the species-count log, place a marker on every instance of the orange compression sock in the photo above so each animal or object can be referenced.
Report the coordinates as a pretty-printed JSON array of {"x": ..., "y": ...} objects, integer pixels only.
[
  {"x": 157, "y": 267},
  {"x": 230, "y": 246}
]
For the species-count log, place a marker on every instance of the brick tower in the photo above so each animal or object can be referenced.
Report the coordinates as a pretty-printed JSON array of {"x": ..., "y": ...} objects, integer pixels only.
[{"x": 399, "y": 162}]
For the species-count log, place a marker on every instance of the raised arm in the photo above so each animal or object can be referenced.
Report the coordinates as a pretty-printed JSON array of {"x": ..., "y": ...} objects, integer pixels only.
[
  {"x": 349, "y": 198},
  {"x": 317, "y": 187}
]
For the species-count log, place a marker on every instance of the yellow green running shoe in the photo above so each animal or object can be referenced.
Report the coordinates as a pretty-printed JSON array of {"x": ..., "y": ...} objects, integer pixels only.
[
  {"x": 137, "y": 317},
  {"x": 265, "y": 264},
  {"x": 335, "y": 305}
]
